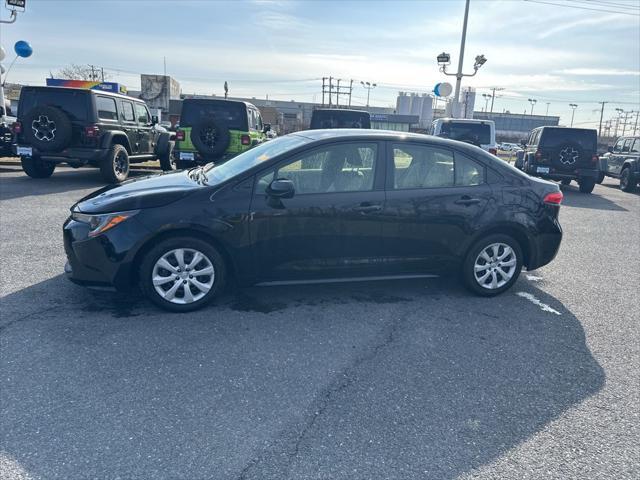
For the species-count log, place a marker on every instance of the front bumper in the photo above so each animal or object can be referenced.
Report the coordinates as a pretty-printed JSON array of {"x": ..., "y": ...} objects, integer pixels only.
[{"x": 105, "y": 260}]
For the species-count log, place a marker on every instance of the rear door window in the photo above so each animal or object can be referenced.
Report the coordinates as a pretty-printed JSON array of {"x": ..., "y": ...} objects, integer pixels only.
[
  {"x": 73, "y": 102},
  {"x": 106, "y": 107},
  {"x": 636, "y": 146},
  {"x": 127, "y": 112},
  {"x": 627, "y": 145}
]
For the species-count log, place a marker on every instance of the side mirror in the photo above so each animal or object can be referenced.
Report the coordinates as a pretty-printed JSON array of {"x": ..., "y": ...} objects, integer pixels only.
[
  {"x": 281, "y": 188},
  {"x": 610, "y": 149},
  {"x": 154, "y": 120},
  {"x": 266, "y": 128}
]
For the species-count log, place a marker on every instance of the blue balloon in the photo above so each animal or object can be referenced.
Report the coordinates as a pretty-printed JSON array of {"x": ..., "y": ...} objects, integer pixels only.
[{"x": 23, "y": 49}]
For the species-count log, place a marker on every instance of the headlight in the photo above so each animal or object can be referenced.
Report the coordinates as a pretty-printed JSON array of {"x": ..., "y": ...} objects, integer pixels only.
[{"x": 101, "y": 223}]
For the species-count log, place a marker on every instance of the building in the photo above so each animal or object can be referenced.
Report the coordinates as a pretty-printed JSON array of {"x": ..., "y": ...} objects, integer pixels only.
[{"x": 513, "y": 127}]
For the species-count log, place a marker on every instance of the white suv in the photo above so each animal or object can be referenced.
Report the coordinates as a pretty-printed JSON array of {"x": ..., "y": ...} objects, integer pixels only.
[{"x": 477, "y": 132}]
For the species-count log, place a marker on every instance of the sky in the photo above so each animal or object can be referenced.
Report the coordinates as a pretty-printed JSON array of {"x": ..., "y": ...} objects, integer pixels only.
[{"x": 555, "y": 51}]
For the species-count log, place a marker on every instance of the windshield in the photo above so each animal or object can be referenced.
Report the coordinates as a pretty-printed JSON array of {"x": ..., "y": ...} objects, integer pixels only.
[
  {"x": 475, "y": 133},
  {"x": 249, "y": 159},
  {"x": 234, "y": 114}
]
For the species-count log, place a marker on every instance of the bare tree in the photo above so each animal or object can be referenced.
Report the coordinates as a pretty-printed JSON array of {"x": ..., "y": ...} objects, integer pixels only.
[{"x": 81, "y": 72}]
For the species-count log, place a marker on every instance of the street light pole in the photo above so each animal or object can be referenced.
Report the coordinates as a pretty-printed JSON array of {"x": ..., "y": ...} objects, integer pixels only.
[
  {"x": 533, "y": 102},
  {"x": 456, "y": 95},
  {"x": 573, "y": 111},
  {"x": 547, "y": 112},
  {"x": 368, "y": 86}
]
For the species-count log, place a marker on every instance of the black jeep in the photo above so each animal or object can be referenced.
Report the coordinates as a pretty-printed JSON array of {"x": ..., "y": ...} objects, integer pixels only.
[
  {"x": 623, "y": 161},
  {"x": 87, "y": 127},
  {"x": 560, "y": 153}
]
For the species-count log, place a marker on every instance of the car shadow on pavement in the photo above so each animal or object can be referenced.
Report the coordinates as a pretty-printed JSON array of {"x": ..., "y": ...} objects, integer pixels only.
[
  {"x": 573, "y": 198},
  {"x": 16, "y": 184},
  {"x": 400, "y": 379}
]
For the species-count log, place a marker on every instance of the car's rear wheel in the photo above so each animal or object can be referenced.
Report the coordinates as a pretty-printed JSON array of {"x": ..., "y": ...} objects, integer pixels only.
[
  {"x": 115, "y": 167},
  {"x": 165, "y": 153},
  {"x": 627, "y": 182},
  {"x": 492, "y": 265},
  {"x": 600, "y": 178},
  {"x": 182, "y": 274},
  {"x": 37, "y": 168},
  {"x": 586, "y": 184}
]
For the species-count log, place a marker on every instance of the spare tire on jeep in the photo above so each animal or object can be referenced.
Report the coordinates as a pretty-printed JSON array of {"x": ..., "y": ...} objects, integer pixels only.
[
  {"x": 211, "y": 137},
  {"x": 47, "y": 128}
]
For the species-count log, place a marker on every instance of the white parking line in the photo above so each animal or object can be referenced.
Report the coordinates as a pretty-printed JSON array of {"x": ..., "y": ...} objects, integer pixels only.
[
  {"x": 533, "y": 299},
  {"x": 534, "y": 278}
]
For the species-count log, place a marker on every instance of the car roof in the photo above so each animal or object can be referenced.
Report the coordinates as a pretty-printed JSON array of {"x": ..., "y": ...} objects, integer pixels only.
[
  {"x": 464, "y": 120},
  {"x": 217, "y": 100},
  {"x": 334, "y": 110},
  {"x": 374, "y": 135},
  {"x": 557, "y": 127},
  {"x": 90, "y": 91}
]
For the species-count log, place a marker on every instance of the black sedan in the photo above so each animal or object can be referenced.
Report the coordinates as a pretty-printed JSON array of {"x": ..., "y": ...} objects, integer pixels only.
[{"x": 323, "y": 205}]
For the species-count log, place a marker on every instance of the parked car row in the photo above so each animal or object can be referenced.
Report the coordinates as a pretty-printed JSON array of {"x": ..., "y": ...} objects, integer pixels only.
[{"x": 622, "y": 161}]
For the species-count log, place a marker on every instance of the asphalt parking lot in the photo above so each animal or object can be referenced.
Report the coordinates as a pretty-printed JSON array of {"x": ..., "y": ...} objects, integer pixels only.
[{"x": 393, "y": 380}]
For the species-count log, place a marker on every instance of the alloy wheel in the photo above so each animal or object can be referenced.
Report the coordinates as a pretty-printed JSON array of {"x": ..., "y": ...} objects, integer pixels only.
[
  {"x": 43, "y": 128},
  {"x": 183, "y": 275},
  {"x": 495, "y": 265},
  {"x": 120, "y": 164}
]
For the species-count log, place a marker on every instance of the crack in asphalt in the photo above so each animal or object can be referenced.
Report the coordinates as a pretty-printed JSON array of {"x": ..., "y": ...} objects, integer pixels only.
[
  {"x": 10, "y": 323},
  {"x": 388, "y": 337}
]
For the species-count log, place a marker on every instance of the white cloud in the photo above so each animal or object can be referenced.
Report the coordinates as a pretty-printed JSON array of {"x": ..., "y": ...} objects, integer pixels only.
[{"x": 599, "y": 72}]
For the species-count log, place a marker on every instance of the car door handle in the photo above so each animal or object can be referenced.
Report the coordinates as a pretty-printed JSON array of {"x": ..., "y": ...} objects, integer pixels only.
[
  {"x": 368, "y": 208},
  {"x": 467, "y": 201}
]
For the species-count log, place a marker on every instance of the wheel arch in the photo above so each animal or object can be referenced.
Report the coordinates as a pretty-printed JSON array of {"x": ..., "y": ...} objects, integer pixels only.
[
  {"x": 516, "y": 232},
  {"x": 180, "y": 232},
  {"x": 117, "y": 137}
]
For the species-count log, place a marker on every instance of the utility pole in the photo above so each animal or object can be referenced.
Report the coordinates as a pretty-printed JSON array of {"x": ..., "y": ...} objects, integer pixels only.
[
  {"x": 330, "y": 87},
  {"x": 323, "y": 80},
  {"x": 601, "y": 115},
  {"x": 350, "y": 90},
  {"x": 573, "y": 111},
  {"x": 635, "y": 127},
  {"x": 547, "y": 112},
  {"x": 338, "y": 94},
  {"x": 619, "y": 111},
  {"x": 493, "y": 95},
  {"x": 626, "y": 119}
]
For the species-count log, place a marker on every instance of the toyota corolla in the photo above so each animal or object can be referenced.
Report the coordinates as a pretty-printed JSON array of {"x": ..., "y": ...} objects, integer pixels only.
[{"x": 322, "y": 205}]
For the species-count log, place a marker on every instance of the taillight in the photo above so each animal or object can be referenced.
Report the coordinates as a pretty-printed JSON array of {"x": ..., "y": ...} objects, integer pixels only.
[
  {"x": 17, "y": 128},
  {"x": 554, "y": 198},
  {"x": 245, "y": 140},
  {"x": 594, "y": 159},
  {"x": 180, "y": 135},
  {"x": 493, "y": 151},
  {"x": 92, "y": 131}
]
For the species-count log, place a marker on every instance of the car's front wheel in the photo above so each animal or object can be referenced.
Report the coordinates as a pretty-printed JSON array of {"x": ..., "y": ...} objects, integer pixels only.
[
  {"x": 492, "y": 265},
  {"x": 182, "y": 274},
  {"x": 37, "y": 168},
  {"x": 627, "y": 182}
]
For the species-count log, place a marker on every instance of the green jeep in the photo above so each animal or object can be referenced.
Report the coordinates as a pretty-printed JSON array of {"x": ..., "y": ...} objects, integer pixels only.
[{"x": 214, "y": 130}]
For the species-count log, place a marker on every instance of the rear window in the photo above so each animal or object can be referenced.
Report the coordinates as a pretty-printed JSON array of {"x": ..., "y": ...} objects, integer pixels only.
[
  {"x": 74, "y": 103},
  {"x": 106, "y": 107},
  {"x": 232, "y": 113},
  {"x": 339, "y": 119},
  {"x": 554, "y": 137},
  {"x": 475, "y": 133}
]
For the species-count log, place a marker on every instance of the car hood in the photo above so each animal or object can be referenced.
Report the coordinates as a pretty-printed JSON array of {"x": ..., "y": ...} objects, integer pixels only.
[{"x": 145, "y": 192}]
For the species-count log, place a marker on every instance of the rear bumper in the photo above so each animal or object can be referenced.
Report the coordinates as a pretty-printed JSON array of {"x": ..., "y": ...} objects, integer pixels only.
[
  {"x": 72, "y": 155},
  {"x": 198, "y": 158},
  {"x": 563, "y": 175},
  {"x": 546, "y": 245}
]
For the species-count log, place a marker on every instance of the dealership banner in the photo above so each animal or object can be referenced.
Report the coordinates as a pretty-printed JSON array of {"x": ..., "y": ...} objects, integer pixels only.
[{"x": 87, "y": 84}]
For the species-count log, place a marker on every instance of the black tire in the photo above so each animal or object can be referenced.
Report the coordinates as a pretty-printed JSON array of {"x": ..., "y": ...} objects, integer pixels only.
[
  {"x": 211, "y": 137},
  {"x": 47, "y": 128},
  {"x": 600, "y": 178},
  {"x": 37, "y": 168},
  {"x": 183, "y": 242},
  {"x": 586, "y": 184},
  {"x": 184, "y": 165},
  {"x": 115, "y": 166},
  {"x": 627, "y": 182},
  {"x": 164, "y": 151},
  {"x": 565, "y": 181},
  {"x": 468, "y": 265}
]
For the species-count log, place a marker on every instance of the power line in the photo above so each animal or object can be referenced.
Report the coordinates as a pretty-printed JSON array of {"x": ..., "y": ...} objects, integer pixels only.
[
  {"x": 609, "y": 4},
  {"x": 583, "y": 8}
]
